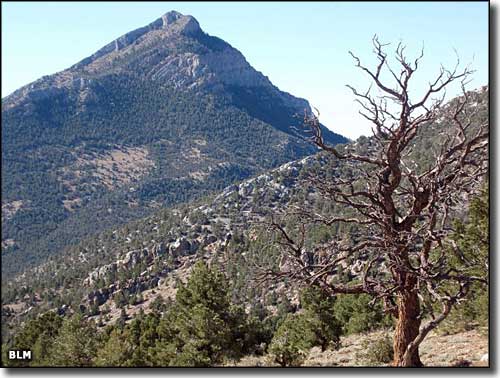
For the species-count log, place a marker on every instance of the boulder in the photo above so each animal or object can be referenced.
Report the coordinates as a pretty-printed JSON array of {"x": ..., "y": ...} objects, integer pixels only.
[
  {"x": 159, "y": 250},
  {"x": 209, "y": 239},
  {"x": 180, "y": 247}
]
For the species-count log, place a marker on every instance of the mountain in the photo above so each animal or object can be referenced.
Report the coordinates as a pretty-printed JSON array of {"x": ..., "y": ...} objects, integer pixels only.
[
  {"x": 147, "y": 257},
  {"x": 162, "y": 115}
]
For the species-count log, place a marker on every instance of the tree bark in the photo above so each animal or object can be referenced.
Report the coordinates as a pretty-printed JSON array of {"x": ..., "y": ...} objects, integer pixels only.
[{"x": 407, "y": 325}]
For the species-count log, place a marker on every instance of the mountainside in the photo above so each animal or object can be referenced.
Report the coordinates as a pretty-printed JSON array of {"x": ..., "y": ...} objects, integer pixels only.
[
  {"x": 162, "y": 115},
  {"x": 145, "y": 258}
]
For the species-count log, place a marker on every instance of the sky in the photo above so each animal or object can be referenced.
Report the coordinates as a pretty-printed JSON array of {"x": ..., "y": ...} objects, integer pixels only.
[{"x": 303, "y": 47}]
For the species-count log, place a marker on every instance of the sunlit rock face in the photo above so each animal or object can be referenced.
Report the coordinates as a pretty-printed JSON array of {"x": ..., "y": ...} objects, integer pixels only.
[{"x": 173, "y": 49}]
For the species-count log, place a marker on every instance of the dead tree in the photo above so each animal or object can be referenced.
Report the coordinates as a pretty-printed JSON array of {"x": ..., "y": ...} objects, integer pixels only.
[{"x": 401, "y": 210}]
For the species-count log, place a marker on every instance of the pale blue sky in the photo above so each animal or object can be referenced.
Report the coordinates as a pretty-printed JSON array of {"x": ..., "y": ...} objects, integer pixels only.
[{"x": 302, "y": 47}]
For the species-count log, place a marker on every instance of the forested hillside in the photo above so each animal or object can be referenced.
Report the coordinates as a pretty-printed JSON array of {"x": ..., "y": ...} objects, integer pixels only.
[
  {"x": 163, "y": 115},
  {"x": 150, "y": 286}
]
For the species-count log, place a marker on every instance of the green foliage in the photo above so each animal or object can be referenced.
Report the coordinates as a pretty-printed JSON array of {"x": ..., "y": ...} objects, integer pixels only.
[
  {"x": 75, "y": 345},
  {"x": 203, "y": 327},
  {"x": 131, "y": 344},
  {"x": 292, "y": 341},
  {"x": 205, "y": 287},
  {"x": 472, "y": 238},
  {"x": 120, "y": 299},
  {"x": 376, "y": 352},
  {"x": 320, "y": 309},
  {"x": 39, "y": 145},
  {"x": 357, "y": 315},
  {"x": 117, "y": 351},
  {"x": 158, "y": 305},
  {"x": 38, "y": 336},
  {"x": 203, "y": 339},
  {"x": 257, "y": 336},
  {"x": 5, "y": 360}
]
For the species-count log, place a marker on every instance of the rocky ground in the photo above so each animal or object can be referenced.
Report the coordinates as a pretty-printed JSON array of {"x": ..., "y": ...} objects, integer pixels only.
[{"x": 461, "y": 349}]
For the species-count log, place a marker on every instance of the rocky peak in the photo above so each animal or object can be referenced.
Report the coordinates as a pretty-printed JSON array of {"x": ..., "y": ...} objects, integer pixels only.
[
  {"x": 171, "y": 23},
  {"x": 171, "y": 17},
  {"x": 212, "y": 64},
  {"x": 180, "y": 23}
]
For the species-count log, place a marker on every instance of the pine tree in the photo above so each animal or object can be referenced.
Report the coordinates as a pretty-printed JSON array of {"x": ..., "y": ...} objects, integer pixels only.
[
  {"x": 38, "y": 336},
  {"x": 117, "y": 351},
  {"x": 319, "y": 308},
  {"x": 292, "y": 341},
  {"x": 202, "y": 327},
  {"x": 76, "y": 343}
]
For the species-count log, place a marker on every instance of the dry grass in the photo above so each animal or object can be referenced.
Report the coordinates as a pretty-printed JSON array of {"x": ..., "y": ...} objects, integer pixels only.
[
  {"x": 436, "y": 350},
  {"x": 16, "y": 307},
  {"x": 72, "y": 205},
  {"x": 120, "y": 166},
  {"x": 112, "y": 169}
]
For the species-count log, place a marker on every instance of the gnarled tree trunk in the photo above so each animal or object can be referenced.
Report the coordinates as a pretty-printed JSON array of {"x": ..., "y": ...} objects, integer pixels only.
[{"x": 408, "y": 324}]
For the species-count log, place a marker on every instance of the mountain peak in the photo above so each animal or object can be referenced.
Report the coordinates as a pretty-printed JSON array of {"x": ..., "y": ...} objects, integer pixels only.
[
  {"x": 176, "y": 21},
  {"x": 171, "y": 22},
  {"x": 171, "y": 16}
]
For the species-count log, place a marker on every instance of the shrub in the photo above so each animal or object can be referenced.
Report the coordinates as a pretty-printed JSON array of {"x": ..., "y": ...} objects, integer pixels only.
[
  {"x": 292, "y": 340},
  {"x": 377, "y": 352},
  {"x": 357, "y": 315}
]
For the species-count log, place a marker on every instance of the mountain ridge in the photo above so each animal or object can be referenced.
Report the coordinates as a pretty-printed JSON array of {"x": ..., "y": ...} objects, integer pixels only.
[
  {"x": 224, "y": 63},
  {"x": 161, "y": 115}
]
